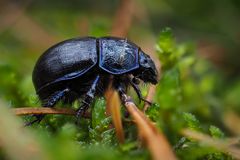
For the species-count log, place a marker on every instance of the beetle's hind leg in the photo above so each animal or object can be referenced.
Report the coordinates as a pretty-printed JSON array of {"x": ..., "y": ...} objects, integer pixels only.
[
  {"x": 86, "y": 102},
  {"x": 50, "y": 102}
]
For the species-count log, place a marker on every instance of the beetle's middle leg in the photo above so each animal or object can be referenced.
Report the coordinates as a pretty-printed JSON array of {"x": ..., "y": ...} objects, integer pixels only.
[{"x": 88, "y": 98}]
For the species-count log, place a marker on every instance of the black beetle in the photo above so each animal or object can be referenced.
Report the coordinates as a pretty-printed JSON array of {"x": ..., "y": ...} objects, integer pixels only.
[{"x": 83, "y": 67}]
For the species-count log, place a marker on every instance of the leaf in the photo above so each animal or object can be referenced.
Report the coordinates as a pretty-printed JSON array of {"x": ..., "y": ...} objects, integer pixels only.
[
  {"x": 216, "y": 132},
  {"x": 192, "y": 121}
]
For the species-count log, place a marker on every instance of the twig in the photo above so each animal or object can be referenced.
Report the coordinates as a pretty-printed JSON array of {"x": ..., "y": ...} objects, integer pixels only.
[
  {"x": 43, "y": 110},
  {"x": 231, "y": 118},
  {"x": 213, "y": 52},
  {"x": 155, "y": 140},
  {"x": 10, "y": 12},
  {"x": 25, "y": 27},
  {"x": 123, "y": 18}
]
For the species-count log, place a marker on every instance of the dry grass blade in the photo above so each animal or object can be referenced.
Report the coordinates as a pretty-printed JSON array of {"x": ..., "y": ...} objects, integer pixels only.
[
  {"x": 222, "y": 145},
  {"x": 23, "y": 148},
  {"x": 44, "y": 110},
  {"x": 113, "y": 109},
  {"x": 155, "y": 140}
]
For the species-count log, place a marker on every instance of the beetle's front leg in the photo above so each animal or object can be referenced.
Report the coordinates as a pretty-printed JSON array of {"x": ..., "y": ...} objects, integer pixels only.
[
  {"x": 134, "y": 83},
  {"x": 88, "y": 98},
  {"x": 122, "y": 94}
]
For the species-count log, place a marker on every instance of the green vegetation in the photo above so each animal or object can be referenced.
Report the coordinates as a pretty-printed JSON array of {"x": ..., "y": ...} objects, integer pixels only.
[{"x": 193, "y": 92}]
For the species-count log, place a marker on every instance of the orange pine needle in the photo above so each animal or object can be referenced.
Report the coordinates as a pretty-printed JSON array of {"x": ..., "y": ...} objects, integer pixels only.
[
  {"x": 155, "y": 140},
  {"x": 113, "y": 109}
]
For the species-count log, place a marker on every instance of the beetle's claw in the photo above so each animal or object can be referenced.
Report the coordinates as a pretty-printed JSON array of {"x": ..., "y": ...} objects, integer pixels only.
[
  {"x": 37, "y": 120},
  {"x": 146, "y": 101},
  {"x": 80, "y": 113}
]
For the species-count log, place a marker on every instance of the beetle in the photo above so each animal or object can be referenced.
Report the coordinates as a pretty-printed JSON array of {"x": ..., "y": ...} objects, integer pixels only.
[{"x": 81, "y": 68}]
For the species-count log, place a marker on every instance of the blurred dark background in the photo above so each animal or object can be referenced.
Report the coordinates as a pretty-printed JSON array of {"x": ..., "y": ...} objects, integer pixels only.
[{"x": 29, "y": 27}]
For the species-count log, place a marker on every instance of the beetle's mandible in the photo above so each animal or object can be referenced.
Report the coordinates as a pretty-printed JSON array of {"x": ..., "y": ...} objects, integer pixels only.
[{"x": 81, "y": 68}]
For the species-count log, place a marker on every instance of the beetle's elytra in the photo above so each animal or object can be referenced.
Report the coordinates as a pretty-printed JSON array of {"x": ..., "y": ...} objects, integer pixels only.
[{"x": 81, "y": 68}]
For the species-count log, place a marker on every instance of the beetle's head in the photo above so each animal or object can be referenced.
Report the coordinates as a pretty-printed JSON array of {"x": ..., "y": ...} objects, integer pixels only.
[{"x": 147, "y": 70}]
